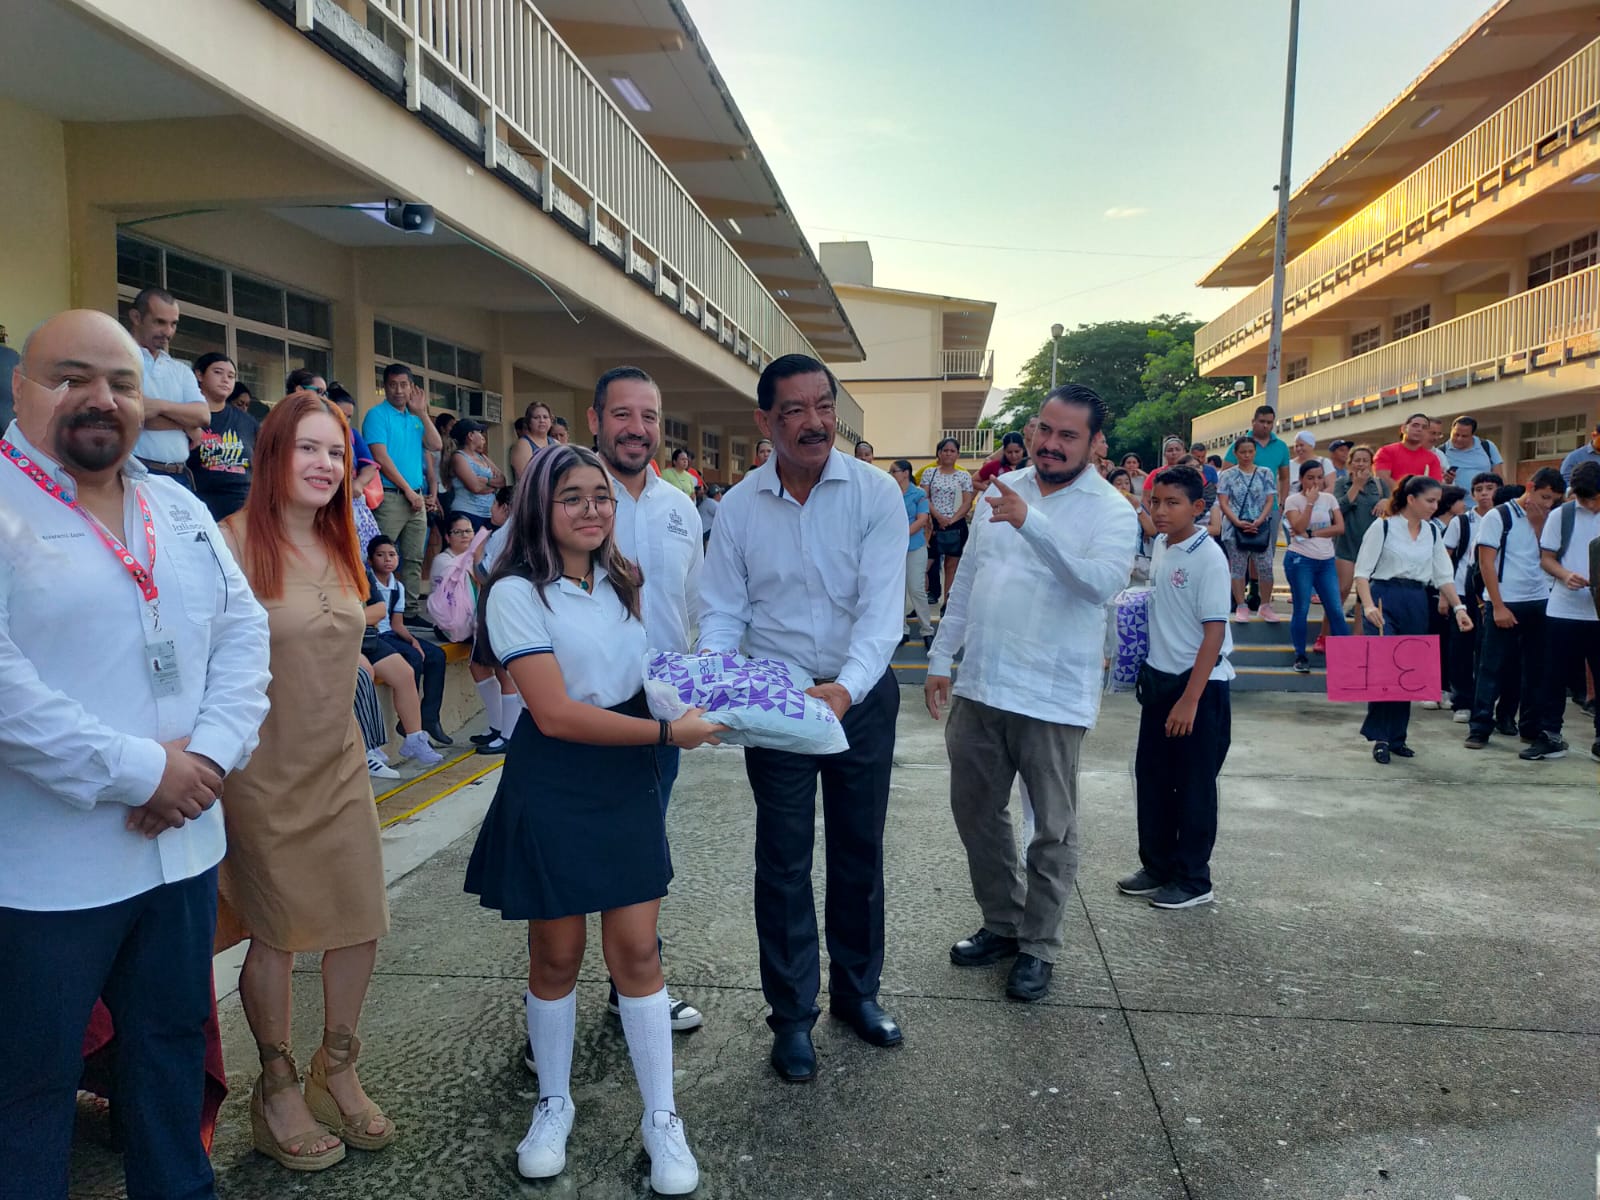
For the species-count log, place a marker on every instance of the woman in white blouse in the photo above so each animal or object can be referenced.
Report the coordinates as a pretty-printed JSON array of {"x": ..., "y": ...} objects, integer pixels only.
[{"x": 1400, "y": 558}]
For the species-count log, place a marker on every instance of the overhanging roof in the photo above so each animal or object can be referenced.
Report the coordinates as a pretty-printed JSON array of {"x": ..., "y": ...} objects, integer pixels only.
[
  {"x": 1501, "y": 55},
  {"x": 695, "y": 126}
]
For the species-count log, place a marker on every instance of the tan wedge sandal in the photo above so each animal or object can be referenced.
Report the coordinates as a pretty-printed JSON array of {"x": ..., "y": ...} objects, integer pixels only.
[
  {"x": 352, "y": 1127},
  {"x": 261, "y": 1135}
]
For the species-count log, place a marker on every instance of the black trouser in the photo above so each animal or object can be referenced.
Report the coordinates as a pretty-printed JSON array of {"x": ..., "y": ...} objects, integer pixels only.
[
  {"x": 1405, "y": 610},
  {"x": 1515, "y": 654},
  {"x": 1175, "y": 783},
  {"x": 1569, "y": 645},
  {"x": 1463, "y": 653},
  {"x": 427, "y": 664},
  {"x": 149, "y": 958},
  {"x": 855, "y": 800}
]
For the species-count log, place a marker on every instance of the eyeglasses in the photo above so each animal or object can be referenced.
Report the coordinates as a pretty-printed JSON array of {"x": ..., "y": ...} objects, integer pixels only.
[
  {"x": 576, "y": 506},
  {"x": 467, "y": 532}
]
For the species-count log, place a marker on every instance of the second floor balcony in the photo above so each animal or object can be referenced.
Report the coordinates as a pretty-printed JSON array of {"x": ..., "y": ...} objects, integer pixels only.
[{"x": 966, "y": 364}]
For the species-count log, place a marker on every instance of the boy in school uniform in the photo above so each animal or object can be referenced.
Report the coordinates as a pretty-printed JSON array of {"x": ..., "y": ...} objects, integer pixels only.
[
  {"x": 427, "y": 659},
  {"x": 1185, "y": 721}
]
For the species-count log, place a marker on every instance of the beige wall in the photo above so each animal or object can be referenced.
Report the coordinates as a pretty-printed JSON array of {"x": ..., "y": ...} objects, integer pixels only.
[
  {"x": 900, "y": 335},
  {"x": 900, "y": 423},
  {"x": 35, "y": 265}
]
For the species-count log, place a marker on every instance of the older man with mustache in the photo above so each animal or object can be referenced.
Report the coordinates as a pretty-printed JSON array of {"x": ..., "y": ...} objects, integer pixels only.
[{"x": 133, "y": 677}]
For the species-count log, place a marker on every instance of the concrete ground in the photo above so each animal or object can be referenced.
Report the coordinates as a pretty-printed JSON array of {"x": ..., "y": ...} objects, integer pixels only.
[{"x": 1394, "y": 996}]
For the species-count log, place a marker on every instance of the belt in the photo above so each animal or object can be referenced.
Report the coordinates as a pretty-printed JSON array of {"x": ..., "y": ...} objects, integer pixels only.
[
  {"x": 165, "y": 468},
  {"x": 1402, "y": 583},
  {"x": 825, "y": 679}
]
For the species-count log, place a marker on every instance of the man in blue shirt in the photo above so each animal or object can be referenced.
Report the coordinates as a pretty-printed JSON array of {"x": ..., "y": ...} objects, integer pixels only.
[
  {"x": 1588, "y": 452},
  {"x": 919, "y": 517},
  {"x": 1465, "y": 455},
  {"x": 399, "y": 435}
]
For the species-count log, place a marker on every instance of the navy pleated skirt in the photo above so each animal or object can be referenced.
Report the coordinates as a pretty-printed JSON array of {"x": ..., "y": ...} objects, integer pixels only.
[{"x": 572, "y": 829}]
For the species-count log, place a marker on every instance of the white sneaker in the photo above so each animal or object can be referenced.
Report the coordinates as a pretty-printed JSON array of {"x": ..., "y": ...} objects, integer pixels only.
[
  {"x": 378, "y": 768},
  {"x": 542, "y": 1154},
  {"x": 1430, "y": 705},
  {"x": 420, "y": 750},
  {"x": 673, "y": 1171},
  {"x": 1462, "y": 716}
]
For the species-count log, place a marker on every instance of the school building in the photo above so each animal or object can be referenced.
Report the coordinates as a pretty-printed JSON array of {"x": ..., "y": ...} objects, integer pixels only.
[
  {"x": 1446, "y": 260},
  {"x": 596, "y": 198}
]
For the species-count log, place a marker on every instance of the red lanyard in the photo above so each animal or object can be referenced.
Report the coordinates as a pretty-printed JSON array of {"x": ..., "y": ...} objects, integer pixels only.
[{"x": 141, "y": 576}]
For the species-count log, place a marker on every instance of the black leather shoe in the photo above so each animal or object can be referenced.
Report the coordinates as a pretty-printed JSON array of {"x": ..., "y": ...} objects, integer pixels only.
[
  {"x": 1401, "y": 750},
  {"x": 1380, "y": 752},
  {"x": 871, "y": 1023},
  {"x": 438, "y": 736},
  {"x": 793, "y": 1056},
  {"x": 981, "y": 949},
  {"x": 1029, "y": 979}
]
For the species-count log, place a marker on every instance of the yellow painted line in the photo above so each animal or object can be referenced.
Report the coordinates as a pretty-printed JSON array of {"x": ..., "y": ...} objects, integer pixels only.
[
  {"x": 455, "y": 787},
  {"x": 444, "y": 766}
]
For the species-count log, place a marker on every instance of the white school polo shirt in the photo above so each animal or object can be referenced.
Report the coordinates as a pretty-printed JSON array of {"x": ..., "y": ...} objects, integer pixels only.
[
  {"x": 1566, "y": 604},
  {"x": 598, "y": 645},
  {"x": 1522, "y": 578},
  {"x": 1189, "y": 589}
]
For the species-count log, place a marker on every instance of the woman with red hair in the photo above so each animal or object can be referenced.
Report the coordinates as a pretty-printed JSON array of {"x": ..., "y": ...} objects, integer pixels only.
[{"x": 304, "y": 871}]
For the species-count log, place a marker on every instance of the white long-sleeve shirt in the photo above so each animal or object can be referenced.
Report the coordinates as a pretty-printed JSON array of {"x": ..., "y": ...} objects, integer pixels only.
[
  {"x": 817, "y": 585},
  {"x": 661, "y": 532},
  {"x": 81, "y": 725},
  {"x": 1422, "y": 559},
  {"x": 1029, "y": 604}
]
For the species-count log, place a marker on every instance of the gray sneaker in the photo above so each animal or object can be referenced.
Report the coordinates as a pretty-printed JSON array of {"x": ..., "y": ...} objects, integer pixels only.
[
  {"x": 1140, "y": 883},
  {"x": 1173, "y": 896}
]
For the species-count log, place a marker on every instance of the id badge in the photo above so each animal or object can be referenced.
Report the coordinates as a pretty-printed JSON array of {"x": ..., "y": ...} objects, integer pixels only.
[{"x": 162, "y": 660}]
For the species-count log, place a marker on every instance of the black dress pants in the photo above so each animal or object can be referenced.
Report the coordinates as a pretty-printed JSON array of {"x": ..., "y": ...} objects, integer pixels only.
[
  {"x": 1507, "y": 658},
  {"x": 855, "y": 800},
  {"x": 1175, "y": 785}
]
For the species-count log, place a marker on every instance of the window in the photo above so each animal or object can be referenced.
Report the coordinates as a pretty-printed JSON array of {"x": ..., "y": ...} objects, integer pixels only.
[
  {"x": 1564, "y": 260},
  {"x": 1297, "y": 368},
  {"x": 265, "y": 328},
  {"x": 1555, "y": 437},
  {"x": 1414, "y": 321},
  {"x": 451, "y": 375},
  {"x": 674, "y": 434},
  {"x": 1365, "y": 341},
  {"x": 738, "y": 456},
  {"x": 711, "y": 451}
]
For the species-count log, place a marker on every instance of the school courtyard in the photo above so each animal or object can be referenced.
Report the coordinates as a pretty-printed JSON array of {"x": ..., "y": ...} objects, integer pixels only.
[{"x": 1395, "y": 995}]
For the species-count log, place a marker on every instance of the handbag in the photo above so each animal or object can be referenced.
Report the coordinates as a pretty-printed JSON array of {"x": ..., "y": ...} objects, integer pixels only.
[
  {"x": 373, "y": 492},
  {"x": 1257, "y": 542},
  {"x": 1159, "y": 688}
]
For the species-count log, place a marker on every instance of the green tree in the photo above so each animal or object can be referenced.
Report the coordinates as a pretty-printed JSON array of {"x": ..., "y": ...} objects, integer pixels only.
[{"x": 1174, "y": 395}]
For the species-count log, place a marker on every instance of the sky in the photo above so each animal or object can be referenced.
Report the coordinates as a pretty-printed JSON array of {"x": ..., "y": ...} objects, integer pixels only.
[{"x": 1141, "y": 135}]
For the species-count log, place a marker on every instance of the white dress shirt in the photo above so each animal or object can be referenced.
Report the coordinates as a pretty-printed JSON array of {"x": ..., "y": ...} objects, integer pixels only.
[
  {"x": 597, "y": 644},
  {"x": 1422, "y": 559},
  {"x": 81, "y": 725},
  {"x": 817, "y": 585},
  {"x": 661, "y": 532},
  {"x": 1029, "y": 604},
  {"x": 167, "y": 379}
]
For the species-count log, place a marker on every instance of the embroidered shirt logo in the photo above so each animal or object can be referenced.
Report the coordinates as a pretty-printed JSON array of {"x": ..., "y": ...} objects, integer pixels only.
[
  {"x": 675, "y": 523},
  {"x": 1180, "y": 578}
]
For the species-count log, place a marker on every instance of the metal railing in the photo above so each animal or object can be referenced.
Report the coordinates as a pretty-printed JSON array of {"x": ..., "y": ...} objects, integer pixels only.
[
  {"x": 1557, "y": 110},
  {"x": 535, "y": 95},
  {"x": 975, "y": 364},
  {"x": 974, "y": 443},
  {"x": 1536, "y": 330}
]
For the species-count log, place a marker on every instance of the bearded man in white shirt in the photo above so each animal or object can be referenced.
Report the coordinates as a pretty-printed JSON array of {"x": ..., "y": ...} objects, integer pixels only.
[
  {"x": 133, "y": 678},
  {"x": 1029, "y": 607},
  {"x": 806, "y": 565}
]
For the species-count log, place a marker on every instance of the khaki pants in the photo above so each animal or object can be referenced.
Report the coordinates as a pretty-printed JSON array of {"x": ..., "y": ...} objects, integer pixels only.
[
  {"x": 917, "y": 588},
  {"x": 988, "y": 748},
  {"x": 409, "y": 529}
]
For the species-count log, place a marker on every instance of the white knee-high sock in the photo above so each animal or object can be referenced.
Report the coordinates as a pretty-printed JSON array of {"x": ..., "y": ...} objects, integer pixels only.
[
  {"x": 489, "y": 694},
  {"x": 551, "y": 1025},
  {"x": 510, "y": 710},
  {"x": 647, "y": 1026}
]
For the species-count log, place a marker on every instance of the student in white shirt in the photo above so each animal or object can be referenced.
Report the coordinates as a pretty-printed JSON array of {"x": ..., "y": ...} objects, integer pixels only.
[
  {"x": 1572, "y": 630},
  {"x": 426, "y": 659},
  {"x": 1185, "y": 717},
  {"x": 1461, "y": 540},
  {"x": 1400, "y": 558},
  {"x": 1516, "y": 590},
  {"x": 1029, "y": 608},
  {"x": 806, "y": 566},
  {"x": 576, "y": 825},
  {"x": 127, "y": 692}
]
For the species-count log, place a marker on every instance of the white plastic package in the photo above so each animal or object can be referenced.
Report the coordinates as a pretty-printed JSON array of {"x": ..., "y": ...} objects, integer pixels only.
[{"x": 763, "y": 702}]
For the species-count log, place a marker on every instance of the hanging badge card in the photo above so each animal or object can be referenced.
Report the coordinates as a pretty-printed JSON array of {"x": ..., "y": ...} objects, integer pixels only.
[{"x": 162, "y": 660}]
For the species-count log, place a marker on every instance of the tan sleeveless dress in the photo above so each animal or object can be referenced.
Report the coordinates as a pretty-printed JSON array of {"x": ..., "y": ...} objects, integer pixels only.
[{"x": 304, "y": 868}]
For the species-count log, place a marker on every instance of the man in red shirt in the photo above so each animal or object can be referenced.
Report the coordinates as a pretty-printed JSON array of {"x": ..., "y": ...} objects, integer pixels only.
[{"x": 1411, "y": 455}]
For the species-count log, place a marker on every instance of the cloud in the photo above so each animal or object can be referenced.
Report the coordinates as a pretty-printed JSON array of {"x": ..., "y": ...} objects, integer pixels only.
[{"x": 1118, "y": 213}]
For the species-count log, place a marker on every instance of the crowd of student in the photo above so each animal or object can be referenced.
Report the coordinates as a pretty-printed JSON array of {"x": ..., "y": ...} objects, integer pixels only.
[{"x": 242, "y": 658}]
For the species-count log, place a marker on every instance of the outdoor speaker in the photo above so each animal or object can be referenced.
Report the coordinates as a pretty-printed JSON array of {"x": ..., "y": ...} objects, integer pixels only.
[{"x": 411, "y": 218}]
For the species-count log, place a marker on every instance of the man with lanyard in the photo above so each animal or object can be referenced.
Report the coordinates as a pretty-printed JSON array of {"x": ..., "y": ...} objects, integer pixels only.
[
  {"x": 173, "y": 405},
  {"x": 133, "y": 677},
  {"x": 807, "y": 566},
  {"x": 657, "y": 528},
  {"x": 1464, "y": 455},
  {"x": 1516, "y": 591},
  {"x": 1273, "y": 454},
  {"x": 400, "y": 437}
]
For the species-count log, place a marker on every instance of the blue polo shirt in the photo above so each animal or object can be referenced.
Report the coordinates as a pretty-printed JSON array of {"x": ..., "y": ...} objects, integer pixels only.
[
  {"x": 916, "y": 502},
  {"x": 1584, "y": 453},
  {"x": 399, "y": 431},
  {"x": 1273, "y": 454}
]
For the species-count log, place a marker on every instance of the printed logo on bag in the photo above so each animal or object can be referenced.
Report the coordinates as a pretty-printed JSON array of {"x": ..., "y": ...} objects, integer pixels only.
[{"x": 1180, "y": 578}]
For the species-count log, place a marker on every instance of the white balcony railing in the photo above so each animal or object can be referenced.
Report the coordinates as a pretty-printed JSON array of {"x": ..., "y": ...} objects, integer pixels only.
[
  {"x": 974, "y": 443},
  {"x": 1552, "y": 114},
  {"x": 596, "y": 171},
  {"x": 966, "y": 364},
  {"x": 1537, "y": 330}
]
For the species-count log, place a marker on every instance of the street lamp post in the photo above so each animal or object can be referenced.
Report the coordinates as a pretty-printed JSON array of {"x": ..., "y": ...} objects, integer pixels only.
[{"x": 1055, "y": 337}]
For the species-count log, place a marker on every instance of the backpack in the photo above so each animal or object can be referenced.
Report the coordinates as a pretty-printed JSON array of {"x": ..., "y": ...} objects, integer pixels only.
[
  {"x": 1463, "y": 540},
  {"x": 1508, "y": 516},
  {"x": 450, "y": 605},
  {"x": 1569, "y": 521}
]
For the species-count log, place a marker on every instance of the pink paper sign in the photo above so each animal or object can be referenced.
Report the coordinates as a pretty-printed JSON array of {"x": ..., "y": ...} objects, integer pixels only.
[{"x": 1361, "y": 669}]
